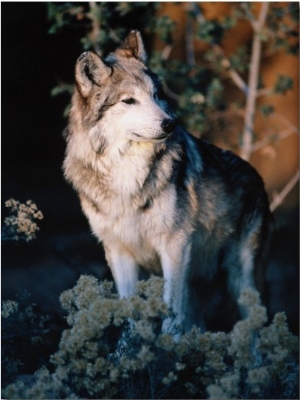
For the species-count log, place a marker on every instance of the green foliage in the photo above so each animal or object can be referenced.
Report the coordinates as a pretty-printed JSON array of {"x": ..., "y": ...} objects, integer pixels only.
[
  {"x": 283, "y": 84},
  {"x": 266, "y": 109},
  {"x": 214, "y": 93},
  {"x": 104, "y": 22},
  {"x": 240, "y": 59},
  {"x": 207, "y": 31},
  {"x": 63, "y": 88},
  {"x": 196, "y": 91},
  {"x": 163, "y": 26},
  {"x": 283, "y": 34},
  {"x": 62, "y": 14},
  {"x": 114, "y": 348}
]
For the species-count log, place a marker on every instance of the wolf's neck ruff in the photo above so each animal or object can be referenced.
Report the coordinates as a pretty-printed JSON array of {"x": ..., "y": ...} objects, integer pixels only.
[
  {"x": 120, "y": 171},
  {"x": 158, "y": 198}
]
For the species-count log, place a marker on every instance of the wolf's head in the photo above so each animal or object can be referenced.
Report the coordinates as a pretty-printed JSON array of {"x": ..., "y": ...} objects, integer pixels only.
[{"x": 117, "y": 100}]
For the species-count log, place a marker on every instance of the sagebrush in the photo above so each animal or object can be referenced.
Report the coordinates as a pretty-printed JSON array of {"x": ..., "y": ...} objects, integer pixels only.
[{"x": 114, "y": 348}]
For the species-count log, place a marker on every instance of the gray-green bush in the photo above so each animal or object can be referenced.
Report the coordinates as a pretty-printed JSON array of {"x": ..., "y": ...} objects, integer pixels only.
[{"x": 114, "y": 348}]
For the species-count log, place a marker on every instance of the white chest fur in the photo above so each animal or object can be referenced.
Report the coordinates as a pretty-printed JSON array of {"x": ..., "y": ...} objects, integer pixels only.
[{"x": 112, "y": 194}]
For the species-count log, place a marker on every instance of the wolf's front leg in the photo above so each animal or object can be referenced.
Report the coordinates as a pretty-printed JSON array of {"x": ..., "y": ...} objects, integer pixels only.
[
  {"x": 124, "y": 270},
  {"x": 175, "y": 264}
]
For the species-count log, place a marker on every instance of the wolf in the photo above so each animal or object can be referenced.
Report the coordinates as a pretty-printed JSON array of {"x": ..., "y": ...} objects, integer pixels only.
[{"x": 160, "y": 199}]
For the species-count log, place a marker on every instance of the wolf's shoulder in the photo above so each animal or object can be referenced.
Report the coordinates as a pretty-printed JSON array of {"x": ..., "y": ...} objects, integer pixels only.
[{"x": 217, "y": 162}]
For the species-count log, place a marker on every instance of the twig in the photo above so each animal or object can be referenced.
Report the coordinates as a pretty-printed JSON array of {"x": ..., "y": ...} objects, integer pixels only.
[
  {"x": 278, "y": 199},
  {"x": 192, "y": 6},
  {"x": 170, "y": 92},
  {"x": 236, "y": 78},
  {"x": 273, "y": 137},
  {"x": 113, "y": 36},
  {"x": 252, "y": 84},
  {"x": 165, "y": 54},
  {"x": 258, "y": 24},
  {"x": 285, "y": 120},
  {"x": 264, "y": 92},
  {"x": 234, "y": 75},
  {"x": 288, "y": 131}
]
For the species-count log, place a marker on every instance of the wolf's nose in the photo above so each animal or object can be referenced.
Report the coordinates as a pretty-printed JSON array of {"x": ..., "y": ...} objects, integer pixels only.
[{"x": 168, "y": 125}]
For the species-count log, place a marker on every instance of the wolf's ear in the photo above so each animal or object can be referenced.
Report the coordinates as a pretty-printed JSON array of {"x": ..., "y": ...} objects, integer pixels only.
[
  {"x": 133, "y": 46},
  {"x": 90, "y": 70}
]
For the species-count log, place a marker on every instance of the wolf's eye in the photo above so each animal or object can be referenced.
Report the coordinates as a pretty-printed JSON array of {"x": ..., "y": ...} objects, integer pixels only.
[{"x": 131, "y": 100}]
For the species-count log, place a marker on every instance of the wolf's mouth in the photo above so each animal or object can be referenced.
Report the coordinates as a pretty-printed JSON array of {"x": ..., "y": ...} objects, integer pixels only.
[{"x": 162, "y": 136}]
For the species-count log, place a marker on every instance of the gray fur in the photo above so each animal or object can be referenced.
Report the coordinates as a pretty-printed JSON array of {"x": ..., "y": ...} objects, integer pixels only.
[{"x": 158, "y": 198}]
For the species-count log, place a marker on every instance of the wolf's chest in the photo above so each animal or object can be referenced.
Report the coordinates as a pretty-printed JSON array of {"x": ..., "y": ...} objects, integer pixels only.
[
  {"x": 136, "y": 218},
  {"x": 121, "y": 222}
]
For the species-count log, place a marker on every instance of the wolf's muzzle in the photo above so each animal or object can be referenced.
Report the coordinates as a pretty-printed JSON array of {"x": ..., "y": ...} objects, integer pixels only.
[{"x": 168, "y": 125}]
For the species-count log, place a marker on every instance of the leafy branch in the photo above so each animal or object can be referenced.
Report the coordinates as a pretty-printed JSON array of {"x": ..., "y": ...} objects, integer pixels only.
[{"x": 198, "y": 87}]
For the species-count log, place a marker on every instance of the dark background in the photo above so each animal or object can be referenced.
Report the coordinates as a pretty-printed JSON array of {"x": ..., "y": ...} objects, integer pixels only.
[{"x": 33, "y": 62}]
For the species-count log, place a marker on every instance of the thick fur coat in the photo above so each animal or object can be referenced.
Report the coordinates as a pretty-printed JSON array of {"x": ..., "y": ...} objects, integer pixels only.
[{"x": 158, "y": 198}]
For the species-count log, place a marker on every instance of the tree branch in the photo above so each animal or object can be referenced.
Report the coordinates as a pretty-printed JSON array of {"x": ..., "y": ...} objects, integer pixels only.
[
  {"x": 288, "y": 131},
  {"x": 236, "y": 78},
  {"x": 170, "y": 93},
  {"x": 165, "y": 54},
  {"x": 273, "y": 137},
  {"x": 247, "y": 138},
  {"x": 234, "y": 75},
  {"x": 264, "y": 92},
  {"x": 278, "y": 199}
]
